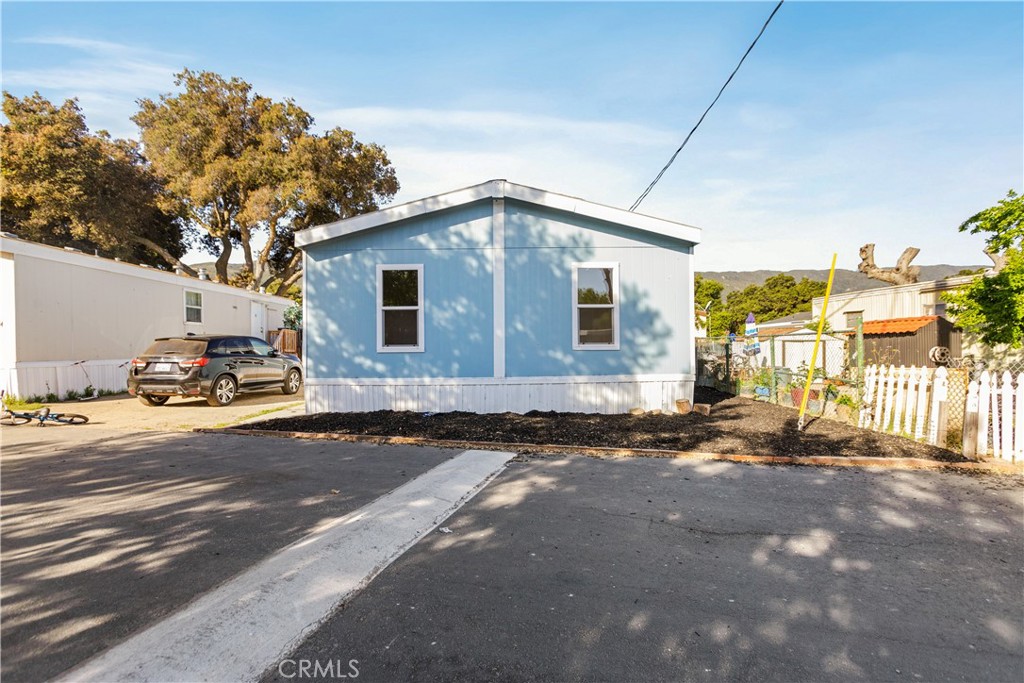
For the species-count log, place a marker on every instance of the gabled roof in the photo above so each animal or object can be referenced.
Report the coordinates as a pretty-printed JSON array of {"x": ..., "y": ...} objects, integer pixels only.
[
  {"x": 898, "y": 325},
  {"x": 497, "y": 189}
]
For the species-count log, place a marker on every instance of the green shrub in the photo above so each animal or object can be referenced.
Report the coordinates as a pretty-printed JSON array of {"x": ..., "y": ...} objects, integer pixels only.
[
  {"x": 72, "y": 395},
  {"x": 846, "y": 400}
]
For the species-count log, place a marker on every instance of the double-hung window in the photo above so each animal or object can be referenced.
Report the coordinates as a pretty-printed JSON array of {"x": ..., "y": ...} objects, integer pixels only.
[
  {"x": 595, "y": 306},
  {"x": 193, "y": 307},
  {"x": 399, "y": 308}
]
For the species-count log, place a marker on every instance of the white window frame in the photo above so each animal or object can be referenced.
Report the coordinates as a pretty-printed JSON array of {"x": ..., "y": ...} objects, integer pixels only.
[
  {"x": 184, "y": 298},
  {"x": 576, "y": 306},
  {"x": 418, "y": 267}
]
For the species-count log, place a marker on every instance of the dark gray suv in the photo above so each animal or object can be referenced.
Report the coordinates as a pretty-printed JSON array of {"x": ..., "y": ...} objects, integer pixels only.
[{"x": 218, "y": 367}]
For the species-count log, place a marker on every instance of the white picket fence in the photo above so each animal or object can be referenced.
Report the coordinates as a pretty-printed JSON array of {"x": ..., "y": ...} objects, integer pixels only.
[
  {"x": 999, "y": 407},
  {"x": 912, "y": 402}
]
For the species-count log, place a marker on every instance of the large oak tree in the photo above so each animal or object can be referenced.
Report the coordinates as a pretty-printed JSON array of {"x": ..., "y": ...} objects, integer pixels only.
[
  {"x": 237, "y": 164},
  {"x": 62, "y": 185}
]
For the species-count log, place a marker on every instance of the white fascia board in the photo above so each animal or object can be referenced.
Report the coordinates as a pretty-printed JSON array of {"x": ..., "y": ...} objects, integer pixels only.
[
  {"x": 497, "y": 189},
  {"x": 561, "y": 202},
  {"x": 392, "y": 214},
  {"x": 18, "y": 246}
]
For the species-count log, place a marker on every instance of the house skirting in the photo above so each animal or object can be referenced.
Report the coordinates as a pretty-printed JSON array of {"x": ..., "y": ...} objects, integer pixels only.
[
  {"x": 40, "y": 378},
  {"x": 595, "y": 394}
]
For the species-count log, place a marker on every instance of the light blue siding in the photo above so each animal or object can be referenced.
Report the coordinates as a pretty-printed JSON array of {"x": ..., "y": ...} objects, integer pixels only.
[
  {"x": 340, "y": 282},
  {"x": 655, "y": 296}
]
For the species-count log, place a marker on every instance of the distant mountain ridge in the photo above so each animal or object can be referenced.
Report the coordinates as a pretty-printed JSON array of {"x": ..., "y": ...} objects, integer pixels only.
[{"x": 845, "y": 280}]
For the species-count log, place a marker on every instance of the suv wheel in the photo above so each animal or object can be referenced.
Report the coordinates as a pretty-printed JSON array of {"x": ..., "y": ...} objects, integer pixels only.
[
  {"x": 154, "y": 400},
  {"x": 292, "y": 381},
  {"x": 223, "y": 392}
]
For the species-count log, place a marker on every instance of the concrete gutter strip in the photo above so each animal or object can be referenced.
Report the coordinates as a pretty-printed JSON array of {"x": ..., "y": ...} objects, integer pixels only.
[
  {"x": 247, "y": 625},
  {"x": 994, "y": 467}
]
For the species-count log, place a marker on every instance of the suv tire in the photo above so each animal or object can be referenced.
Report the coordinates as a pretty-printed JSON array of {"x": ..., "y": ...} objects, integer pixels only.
[
  {"x": 154, "y": 400},
  {"x": 292, "y": 382},
  {"x": 224, "y": 390}
]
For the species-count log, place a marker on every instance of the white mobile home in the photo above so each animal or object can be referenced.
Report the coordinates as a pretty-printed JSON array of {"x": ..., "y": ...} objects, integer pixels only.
[{"x": 69, "y": 320}]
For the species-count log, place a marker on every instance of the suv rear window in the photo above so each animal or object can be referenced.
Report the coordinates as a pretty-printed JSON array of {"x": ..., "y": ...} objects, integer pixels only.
[{"x": 176, "y": 347}]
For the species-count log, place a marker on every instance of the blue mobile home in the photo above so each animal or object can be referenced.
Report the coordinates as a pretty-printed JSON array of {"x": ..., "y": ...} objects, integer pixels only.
[{"x": 498, "y": 297}]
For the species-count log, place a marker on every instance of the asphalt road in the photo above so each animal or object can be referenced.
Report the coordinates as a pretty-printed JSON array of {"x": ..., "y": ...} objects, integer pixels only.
[
  {"x": 569, "y": 569},
  {"x": 106, "y": 532}
]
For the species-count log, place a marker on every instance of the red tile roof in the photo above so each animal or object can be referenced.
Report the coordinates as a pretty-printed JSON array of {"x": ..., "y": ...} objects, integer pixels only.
[{"x": 898, "y": 325}]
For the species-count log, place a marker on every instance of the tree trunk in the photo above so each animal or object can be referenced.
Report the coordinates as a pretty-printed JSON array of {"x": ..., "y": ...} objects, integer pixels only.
[
  {"x": 290, "y": 273},
  {"x": 246, "y": 235},
  {"x": 222, "y": 260},
  {"x": 164, "y": 254},
  {"x": 998, "y": 261},
  {"x": 902, "y": 274}
]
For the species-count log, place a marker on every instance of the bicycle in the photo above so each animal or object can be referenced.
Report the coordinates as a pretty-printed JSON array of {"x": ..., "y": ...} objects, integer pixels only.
[{"x": 44, "y": 415}]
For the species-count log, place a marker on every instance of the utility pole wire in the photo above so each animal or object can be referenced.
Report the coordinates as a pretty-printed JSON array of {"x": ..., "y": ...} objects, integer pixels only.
[{"x": 654, "y": 182}]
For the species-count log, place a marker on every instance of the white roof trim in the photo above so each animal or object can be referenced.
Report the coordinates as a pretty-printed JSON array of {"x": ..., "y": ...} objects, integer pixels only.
[{"x": 497, "y": 189}]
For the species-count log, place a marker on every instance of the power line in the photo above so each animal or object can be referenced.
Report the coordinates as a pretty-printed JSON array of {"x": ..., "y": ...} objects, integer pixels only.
[{"x": 654, "y": 182}]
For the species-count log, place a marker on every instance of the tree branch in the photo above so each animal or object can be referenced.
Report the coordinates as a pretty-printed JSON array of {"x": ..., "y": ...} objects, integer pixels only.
[{"x": 164, "y": 254}]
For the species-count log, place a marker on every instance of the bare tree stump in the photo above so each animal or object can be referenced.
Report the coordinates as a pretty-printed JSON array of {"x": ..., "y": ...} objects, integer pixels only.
[{"x": 902, "y": 274}]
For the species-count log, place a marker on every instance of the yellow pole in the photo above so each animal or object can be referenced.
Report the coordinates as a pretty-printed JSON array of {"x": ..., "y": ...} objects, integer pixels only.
[{"x": 817, "y": 342}]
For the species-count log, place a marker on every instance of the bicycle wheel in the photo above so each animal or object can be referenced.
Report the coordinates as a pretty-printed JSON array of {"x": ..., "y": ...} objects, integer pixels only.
[
  {"x": 9, "y": 418},
  {"x": 70, "y": 418}
]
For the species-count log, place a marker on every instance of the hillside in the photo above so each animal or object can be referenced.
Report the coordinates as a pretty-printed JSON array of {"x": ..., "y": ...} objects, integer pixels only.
[{"x": 845, "y": 280}]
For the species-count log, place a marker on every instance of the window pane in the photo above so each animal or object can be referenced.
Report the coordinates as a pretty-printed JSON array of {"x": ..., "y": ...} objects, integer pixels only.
[
  {"x": 401, "y": 288},
  {"x": 193, "y": 315},
  {"x": 261, "y": 347},
  {"x": 594, "y": 285},
  {"x": 193, "y": 299},
  {"x": 176, "y": 347},
  {"x": 400, "y": 328},
  {"x": 596, "y": 326}
]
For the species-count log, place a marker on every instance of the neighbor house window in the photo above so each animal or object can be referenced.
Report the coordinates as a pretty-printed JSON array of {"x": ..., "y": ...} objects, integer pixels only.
[
  {"x": 852, "y": 317},
  {"x": 595, "y": 306},
  {"x": 193, "y": 307},
  {"x": 400, "y": 308}
]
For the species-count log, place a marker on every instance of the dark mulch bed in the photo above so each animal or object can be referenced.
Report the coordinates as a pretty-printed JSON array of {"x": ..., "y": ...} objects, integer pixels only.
[{"x": 736, "y": 426}]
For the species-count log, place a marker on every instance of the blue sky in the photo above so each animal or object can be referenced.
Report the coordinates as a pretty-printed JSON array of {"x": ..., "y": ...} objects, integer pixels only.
[{"x": 849, "y": 123}]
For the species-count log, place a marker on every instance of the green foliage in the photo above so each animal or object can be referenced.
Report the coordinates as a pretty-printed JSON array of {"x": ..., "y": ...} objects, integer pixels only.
[
  {"x": 707, "y": 295},
  {"x": 1003, "y": 223},
  {"x": 72, "y": 395},
  {"x": 813, "y": 325},
  {"x": 64, "y": 186},
  {"x": 237, "y": 163},
  {"x": 846, "y": 400},
  {"x": 780, "y": 295},
  {"x": 293, "y": 317},
  {"x": 28, "y": 403},
  {"x": 993, "y": 306}
]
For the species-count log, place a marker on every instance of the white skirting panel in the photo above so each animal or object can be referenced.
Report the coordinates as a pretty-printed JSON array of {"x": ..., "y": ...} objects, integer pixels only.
[
  {"x": 487, "y": 395},
  {"x": 59, "y": 377}
]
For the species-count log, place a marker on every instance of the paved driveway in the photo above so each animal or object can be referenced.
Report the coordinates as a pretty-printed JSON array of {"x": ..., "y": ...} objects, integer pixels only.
[
  {"x": 105, "y": 532},
  {"x": 570, "y": 569}
]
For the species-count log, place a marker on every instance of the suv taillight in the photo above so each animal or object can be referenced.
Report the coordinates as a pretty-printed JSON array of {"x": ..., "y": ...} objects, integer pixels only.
[
  {"x": 194, "y": 363},
  {"x": 138, "y": 363}
]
